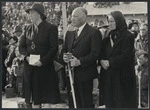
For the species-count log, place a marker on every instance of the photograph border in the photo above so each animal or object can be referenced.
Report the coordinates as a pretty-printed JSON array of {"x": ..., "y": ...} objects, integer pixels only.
[{"x": 148, "y": 18}]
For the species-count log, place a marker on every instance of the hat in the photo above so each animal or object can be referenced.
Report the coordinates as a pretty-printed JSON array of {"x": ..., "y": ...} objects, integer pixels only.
[
  {"x": 132, "y": 23},
  {"x": 141, "y": 52},
  {"x": 17, "y": 29},
  {"x": 37, "y": 7}
]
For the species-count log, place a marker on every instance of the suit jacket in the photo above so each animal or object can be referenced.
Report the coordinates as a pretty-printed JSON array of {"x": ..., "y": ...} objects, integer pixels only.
[{"x": 86, "y": 48}]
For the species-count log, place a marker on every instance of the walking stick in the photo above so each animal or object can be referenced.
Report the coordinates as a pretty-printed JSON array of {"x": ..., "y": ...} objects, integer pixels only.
[
  {"x": 72, "y": 84},
  {"x": 148, "y": 94},
  {"x": 139, "y": 78}
]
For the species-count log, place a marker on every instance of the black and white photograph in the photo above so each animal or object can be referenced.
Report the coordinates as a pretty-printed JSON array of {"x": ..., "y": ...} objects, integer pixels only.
[{"x": 74, "y": 55}]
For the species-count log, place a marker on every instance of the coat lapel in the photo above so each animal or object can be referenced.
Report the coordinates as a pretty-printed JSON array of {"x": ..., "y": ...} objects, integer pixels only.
[
  {"x": 82, "y": 35},
  {"x": 116, "y": 43},
  {"x": 30, "y": 32}
]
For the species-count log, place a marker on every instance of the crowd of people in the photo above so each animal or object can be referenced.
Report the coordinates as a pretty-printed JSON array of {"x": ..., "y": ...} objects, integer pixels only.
[
  {"x": 105, "y": 4},
  {"x": 34, "y": 62},
  {"x": 15, "y": 14}
]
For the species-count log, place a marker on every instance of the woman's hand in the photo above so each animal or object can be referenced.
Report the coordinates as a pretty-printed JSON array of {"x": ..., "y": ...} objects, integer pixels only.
[
  {"x": 105, "y": 64},
  {"x": 27, "y": 58}
]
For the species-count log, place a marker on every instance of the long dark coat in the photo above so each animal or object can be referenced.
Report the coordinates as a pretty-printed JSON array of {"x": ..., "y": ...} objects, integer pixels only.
[
  {"x": 117, "y": 83},
  {"x": 41, "y": 82},
  {"x": 87, "y": 49}
]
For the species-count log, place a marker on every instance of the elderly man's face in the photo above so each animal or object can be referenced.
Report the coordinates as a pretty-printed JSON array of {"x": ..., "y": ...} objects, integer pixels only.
[
  {"x": 78, "y": 18},
  {"x": 143, "y": 30},
  {"x": 34, "y": 15}
]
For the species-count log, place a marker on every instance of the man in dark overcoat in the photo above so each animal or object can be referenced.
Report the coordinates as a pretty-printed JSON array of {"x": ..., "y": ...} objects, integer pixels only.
[{"x": 85, "y": 46}]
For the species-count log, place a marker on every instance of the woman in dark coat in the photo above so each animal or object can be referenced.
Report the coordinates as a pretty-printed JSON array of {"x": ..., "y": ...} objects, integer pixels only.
[
  {"x": 40, "y": 38},
  {"x": 117, "y": 77}
]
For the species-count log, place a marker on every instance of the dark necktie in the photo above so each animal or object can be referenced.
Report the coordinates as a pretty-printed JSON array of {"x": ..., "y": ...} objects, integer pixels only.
[{"x": 76, "y": 33}]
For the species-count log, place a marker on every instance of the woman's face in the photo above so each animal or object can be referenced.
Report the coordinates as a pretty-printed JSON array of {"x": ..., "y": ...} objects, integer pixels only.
[
  {"x": 111, "y": 22},
  {"x": 135, "y": 27},
  {"x": 34, "y": 15}
]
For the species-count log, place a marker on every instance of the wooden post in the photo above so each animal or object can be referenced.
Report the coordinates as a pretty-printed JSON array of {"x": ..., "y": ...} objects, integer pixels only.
[{"x": 64, "y": 17}]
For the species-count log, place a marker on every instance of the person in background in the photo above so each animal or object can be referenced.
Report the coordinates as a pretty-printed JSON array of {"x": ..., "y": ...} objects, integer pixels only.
[
  {"x": 5, "y": 48},
  {"x": 142, "y": 75},
  {"x": 11, "y": 52},
  {"x": 134, "y": 28},
  {"x": 13, "y": 63},
  {"x": 141, "y": 42},
  {"x": 85, "y": 46},
  {"x": 18, "y": 71},
  {"x": 17, "y": 32},
  {"x": 40, "y": 39},
  {"x": 103, "y": 30},
  {"x": 8, "y": 62},
  {"x": 117, "y": 81},
  {"x": 13, "y": 44},
  {"x": 59, "y": 65}
]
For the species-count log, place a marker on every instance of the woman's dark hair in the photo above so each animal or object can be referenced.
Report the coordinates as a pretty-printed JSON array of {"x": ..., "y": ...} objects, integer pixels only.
[
  {"x": 121, "y": 24},
  {"x": 119, "y": 19},
  {"x": 131, "y": 24}
]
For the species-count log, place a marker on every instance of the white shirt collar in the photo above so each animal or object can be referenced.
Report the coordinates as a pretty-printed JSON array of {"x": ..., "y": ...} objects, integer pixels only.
[{"x": 81, "y": 28}]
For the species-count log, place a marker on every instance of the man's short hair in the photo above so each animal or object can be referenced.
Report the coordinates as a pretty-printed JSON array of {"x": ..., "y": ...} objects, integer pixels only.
[
  {"x": 84, "y": 10},
  {"x": 144, "y": 24}
]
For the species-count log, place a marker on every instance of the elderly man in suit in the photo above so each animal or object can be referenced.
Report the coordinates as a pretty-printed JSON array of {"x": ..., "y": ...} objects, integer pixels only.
[{"x": 85, "y": 45}]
